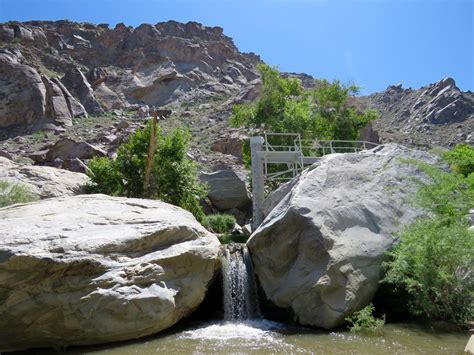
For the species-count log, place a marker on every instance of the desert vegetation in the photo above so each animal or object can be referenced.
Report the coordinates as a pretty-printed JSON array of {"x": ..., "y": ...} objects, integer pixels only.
[
  {"x": 219, "y": 223},
  {"x": 432, "y": 264},
  {"x": 11, "y": 193},
  {"x": 284, "y": 106},
  {"x": 364, "y": 322},
  {"x": 173, "y": 177}
]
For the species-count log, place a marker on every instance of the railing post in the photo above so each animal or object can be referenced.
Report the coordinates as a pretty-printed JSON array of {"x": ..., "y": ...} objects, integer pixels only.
[{"x": 258, "y": 182}]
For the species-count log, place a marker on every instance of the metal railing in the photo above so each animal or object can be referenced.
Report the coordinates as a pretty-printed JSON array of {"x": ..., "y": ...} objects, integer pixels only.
[{"x": 296, "y": 153}]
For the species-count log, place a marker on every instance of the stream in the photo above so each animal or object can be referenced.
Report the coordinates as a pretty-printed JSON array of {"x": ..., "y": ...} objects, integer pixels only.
[{"x": 244, "y": 331}]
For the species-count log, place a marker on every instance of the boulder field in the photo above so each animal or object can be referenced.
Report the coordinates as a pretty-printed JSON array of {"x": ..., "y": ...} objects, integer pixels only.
[
  {"x": 94, "y": 269},
  {"x": 318, "y": 253}
]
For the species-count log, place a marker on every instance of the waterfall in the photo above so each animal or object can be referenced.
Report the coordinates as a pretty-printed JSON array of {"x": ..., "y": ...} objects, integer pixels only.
[{"x": 240, "y": 291}]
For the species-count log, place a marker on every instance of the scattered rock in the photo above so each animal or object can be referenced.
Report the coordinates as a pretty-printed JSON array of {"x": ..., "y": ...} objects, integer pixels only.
[
  {"x": 6, "y": 155},
  {"x": 122, "y": 125},
  {"x": 68, "y": 149},
  {"x": 230, "y": 143}
]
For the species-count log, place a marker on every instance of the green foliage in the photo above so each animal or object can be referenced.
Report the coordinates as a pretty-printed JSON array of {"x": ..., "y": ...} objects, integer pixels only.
[
  {"x": 433, "y": 262},
  {"x": 219, "y": 223},
  {"x": 461, "y": 159},
  {"x": 236, "y": 238},
  {"x": 105, "y": 177},
  {"x": 173, "y": 176},
  {"x": 285, "y": 107},
  {"x": 364, "y": 322},
  {"x": 14, "y": 193}
]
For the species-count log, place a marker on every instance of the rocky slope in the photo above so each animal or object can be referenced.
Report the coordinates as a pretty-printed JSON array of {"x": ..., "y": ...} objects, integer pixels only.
[
  {"x": 90, "y": 83},
  {"x": 66, "y": 80},
  {"x": 438, "y": 114},
  {"x": 75, "y": 69}
]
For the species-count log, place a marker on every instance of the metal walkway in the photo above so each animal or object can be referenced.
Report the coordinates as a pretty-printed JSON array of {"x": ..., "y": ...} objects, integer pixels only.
[{"x": 287, "y": 158}]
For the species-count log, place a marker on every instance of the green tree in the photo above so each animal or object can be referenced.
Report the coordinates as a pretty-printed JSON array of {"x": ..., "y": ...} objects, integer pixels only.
[
  {"x": 174, "y": 177},
  {"x": 283, "y": 106},
  {"x": 433, "y": 261}
]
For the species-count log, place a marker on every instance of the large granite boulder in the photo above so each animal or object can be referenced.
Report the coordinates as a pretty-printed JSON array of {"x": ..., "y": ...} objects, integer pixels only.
[
  {"x": 42, "y": 181},
  {"x": 319, "y": 251},
  {"x": 227, "y": 189},
  {"x": 94, "y": 269},
  {"x": 22, "y": 93}
]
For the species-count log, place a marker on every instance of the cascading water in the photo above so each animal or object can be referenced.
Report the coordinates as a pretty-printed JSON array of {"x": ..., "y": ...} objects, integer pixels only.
[{"x": 240, "y": 294}]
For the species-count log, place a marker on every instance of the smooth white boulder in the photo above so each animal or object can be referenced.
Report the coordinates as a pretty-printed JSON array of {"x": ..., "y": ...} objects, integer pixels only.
[
  {"x": 94, "y": 269},
  {"x": 319, "y": 251},
  {"x": 43, "y": 181}
]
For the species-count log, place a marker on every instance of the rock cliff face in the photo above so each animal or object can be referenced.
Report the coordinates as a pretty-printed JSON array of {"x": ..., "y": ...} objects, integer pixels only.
[
  {"x": 95, "y": 269},
  {"x": 439, "y": 114},
  {"x": 319, "y": 251},
  {"x": 107, "y": 68}
]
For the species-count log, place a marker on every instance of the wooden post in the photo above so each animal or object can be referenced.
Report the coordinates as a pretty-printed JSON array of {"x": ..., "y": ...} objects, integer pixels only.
[{"x": 151, "y": 153}]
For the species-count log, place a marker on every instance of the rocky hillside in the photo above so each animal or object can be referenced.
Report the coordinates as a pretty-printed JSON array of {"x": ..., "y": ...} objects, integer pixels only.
[
  {"x": 64, "y": 85},
  {"x": 438, "y": 114},
  {"x": 55, "y": 71}
]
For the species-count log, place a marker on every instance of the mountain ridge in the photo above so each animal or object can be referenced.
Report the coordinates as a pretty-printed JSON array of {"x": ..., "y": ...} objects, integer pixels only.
[{"x": 56, "y": 74}]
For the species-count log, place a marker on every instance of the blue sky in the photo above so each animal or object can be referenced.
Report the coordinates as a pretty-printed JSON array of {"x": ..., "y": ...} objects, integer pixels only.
[{"x": 373, "y": 43}]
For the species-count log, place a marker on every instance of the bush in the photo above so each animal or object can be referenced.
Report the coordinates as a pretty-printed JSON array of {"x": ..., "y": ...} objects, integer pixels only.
[
  {"x": 236, "y": 238},
  {"x": 461, "y": 159},
  {"x": 433, "y": 265},
  {"x": 14, "y": 193},
  {"x": 433, "y": 261},
  {"x": 364, "y": 322},
  {"x": 173, "y": 178},
  {"x": 219, "y": 223}
]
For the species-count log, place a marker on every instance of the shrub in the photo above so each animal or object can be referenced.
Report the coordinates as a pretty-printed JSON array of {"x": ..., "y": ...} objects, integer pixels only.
[
  {"x": 237, "y": 238},
  {"x": 219, "y": 223},
  {"x": 105, "y": 177},
  {"x": 432, "y": 264},
  {"x": 173, "y": 178},
  {"x": 14, "y": 193},
  {"x": 364, "y": 322},
  {"x": 461, "y": 159}
]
